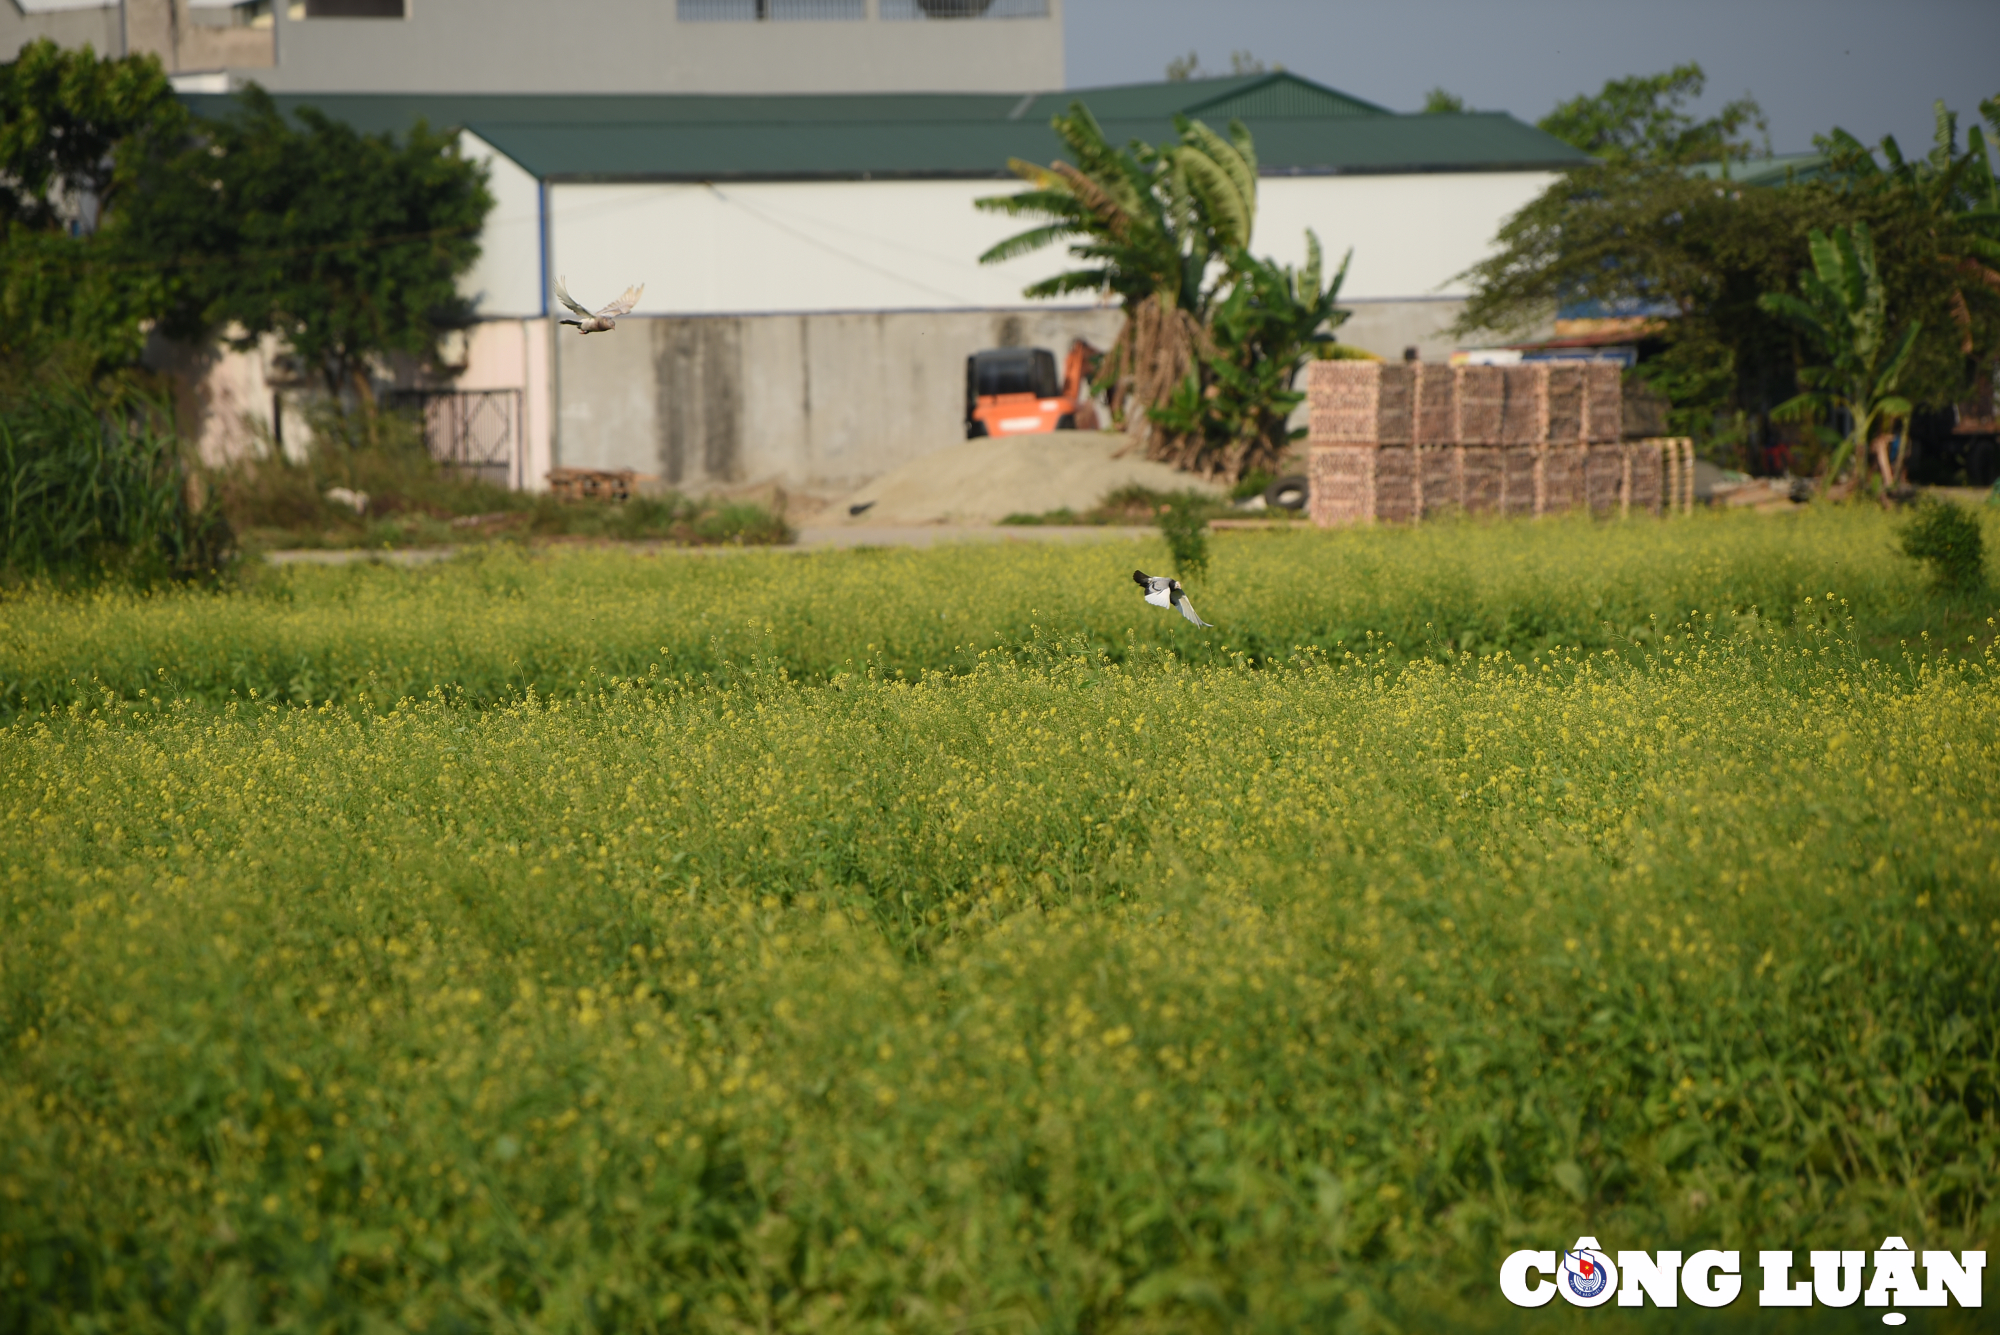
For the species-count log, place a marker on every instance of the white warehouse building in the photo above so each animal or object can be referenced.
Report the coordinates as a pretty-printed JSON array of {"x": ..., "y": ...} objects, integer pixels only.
[{"x": 812, "y": 284}]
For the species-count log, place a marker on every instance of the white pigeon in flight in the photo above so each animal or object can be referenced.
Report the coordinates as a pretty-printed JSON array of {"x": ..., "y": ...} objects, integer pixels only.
[
  {"x": 1164, "y": 592},
  {"x": 600, "y": 321}
]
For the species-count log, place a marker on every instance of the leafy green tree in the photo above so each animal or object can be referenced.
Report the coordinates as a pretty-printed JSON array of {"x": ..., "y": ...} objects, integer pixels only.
[
  {"x": 1438, "y": 102},
  {"x": 1956, "y": 195},
  {"x": 1637, "y": 237},
  {"x": 1152, "y": 225},
  {"x": 1843, "y": 311},
  {"x": 1183, "y": 68},
  {"x": 64, "y": 116},
  {"x": 347, "y": 246},
  {"x": 73, "y": 130},
  {"x": 1642, "y": 119},
  {"x": 1700, "y": 252}
]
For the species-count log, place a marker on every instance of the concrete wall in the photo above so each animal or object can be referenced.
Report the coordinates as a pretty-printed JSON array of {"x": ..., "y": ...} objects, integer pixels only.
[
  {"x": 819, "y": 403},
  {"x": 641, "y": 46},
  {"x": 169, "y": 29},
  {"x": 226, "y": 399},
  {"x": 96, "y": 27}
]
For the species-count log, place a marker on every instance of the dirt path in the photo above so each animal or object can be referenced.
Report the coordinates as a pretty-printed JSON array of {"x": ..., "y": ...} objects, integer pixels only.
[{"x": 812, "y": 538}]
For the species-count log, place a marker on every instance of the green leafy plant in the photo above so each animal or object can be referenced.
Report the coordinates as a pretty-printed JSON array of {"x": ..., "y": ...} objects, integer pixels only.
[
  {"x": 92, "y": 484},
  {"x": 1842, "y": 310},
  {"x": 1183, "y": 522},
  {"x": 1946, "y": 538},
  {"x": 1234, "y": 407},
  {"x": 1252, "y": 483},
  {"x": 1134, "y": 504}
]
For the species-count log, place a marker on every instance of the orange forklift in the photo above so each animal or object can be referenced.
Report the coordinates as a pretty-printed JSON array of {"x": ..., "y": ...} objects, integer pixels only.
[{"x": 1014, "y": 391}]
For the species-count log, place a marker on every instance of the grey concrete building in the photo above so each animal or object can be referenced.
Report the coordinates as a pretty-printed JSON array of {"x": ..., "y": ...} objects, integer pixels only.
[
  {"x": 556, "y": 46},
  {"x": 196, "y": 40}
]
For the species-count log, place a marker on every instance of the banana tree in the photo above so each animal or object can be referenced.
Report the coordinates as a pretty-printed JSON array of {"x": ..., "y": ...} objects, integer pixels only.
[
  {"x": 1236, "y": 418},
  {"x": 1842, "y": 310},
  {"x": 1152, "y": 226},
  {"x": 1957, "y": 189}
]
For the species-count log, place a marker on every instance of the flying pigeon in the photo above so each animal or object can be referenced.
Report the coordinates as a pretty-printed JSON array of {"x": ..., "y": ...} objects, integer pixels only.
[
  {"x": 603, "y": 321},
  {"x": 1164, "y": 592}
]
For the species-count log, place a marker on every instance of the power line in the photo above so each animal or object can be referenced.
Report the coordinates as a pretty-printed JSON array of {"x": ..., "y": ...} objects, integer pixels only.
[{"x": 843, "y": 254}]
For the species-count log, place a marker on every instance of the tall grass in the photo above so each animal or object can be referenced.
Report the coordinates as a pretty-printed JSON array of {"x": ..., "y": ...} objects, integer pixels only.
[
  {"x": 92, "y": 482},
  {"x": 278, "y": 502},
  {"x": 496, "y": 626}
]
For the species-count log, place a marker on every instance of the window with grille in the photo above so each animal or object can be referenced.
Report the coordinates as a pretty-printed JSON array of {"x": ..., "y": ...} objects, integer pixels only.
[
  {"x": 771, "y": 11},
  {"x": 348, "y": 9},
  {"x": 965, "y": 9}
]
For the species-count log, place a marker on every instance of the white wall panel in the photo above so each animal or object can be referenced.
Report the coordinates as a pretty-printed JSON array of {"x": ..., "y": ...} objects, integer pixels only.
[
  {"x": 506, "y": 280},
  {"x": 914, "y": 245},
  {"x": 789, "y": 246},
  {"x": 1412, "y": 235}
]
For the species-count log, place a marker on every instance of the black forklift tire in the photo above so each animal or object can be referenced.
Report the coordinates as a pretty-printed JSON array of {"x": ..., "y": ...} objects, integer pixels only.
[
  {"x": 975, "y": 429},
  {"x": 1067, "y": 422},
  {"x": 1288, "y": 493}
]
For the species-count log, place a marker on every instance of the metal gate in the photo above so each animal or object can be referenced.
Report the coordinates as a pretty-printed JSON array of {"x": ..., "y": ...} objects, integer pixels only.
[{"x": 476, "y": 432}]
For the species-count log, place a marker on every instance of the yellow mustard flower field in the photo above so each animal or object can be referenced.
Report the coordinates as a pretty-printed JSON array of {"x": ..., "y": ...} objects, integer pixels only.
[{"x": 947, "y": 941}]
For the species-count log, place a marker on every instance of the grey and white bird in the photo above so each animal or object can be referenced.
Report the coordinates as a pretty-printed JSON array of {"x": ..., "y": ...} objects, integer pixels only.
[
  {"x": 1164, "y": 592},
  {"x": 601, "y": 321}
]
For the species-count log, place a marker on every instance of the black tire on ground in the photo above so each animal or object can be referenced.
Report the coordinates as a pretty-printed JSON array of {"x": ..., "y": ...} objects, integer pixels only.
[
  {"x": 1287, "y": 493},
  {"x": 975, "y": 429},
  {"x": 1067, "y": 422}
]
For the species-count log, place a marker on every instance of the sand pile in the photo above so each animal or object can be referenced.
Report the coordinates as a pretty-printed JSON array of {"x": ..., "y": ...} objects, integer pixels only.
[{"x": 982, "y": 481}]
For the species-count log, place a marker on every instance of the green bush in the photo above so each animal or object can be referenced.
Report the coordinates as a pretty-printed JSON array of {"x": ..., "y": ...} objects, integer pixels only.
[
  {"x": 92, "y": 484},
  {"x": 1184, "y": 524},
  {"x": 1253, "y": 484},
  {"x": 1946, "y": 538},
  {"x": 1134, "y": 503}
]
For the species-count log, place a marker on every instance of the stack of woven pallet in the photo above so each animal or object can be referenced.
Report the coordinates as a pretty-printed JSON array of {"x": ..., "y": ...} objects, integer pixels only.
[{"x": 1396, "y": 442}]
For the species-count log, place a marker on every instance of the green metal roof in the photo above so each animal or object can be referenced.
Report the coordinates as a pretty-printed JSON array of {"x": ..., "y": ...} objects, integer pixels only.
[
  {"x": 1781, "y": 169},
  {"x": 1301, "y": 128}
]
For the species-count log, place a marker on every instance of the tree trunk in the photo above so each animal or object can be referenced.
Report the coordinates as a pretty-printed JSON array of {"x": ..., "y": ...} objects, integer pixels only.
[{"x": 364, "y": 393}]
